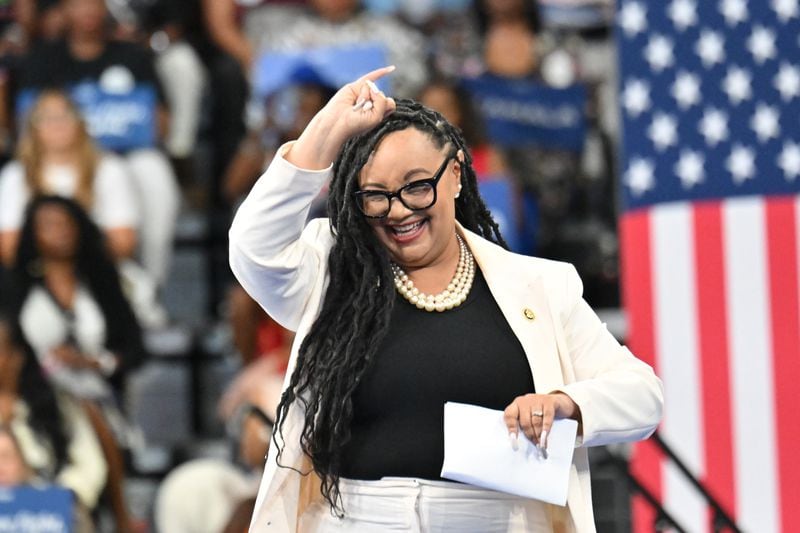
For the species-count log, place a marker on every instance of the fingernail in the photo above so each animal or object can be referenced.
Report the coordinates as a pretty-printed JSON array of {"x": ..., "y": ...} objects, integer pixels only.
[
  {"x": 373, "y": 87},
  {"x": 368, "y": 105},
  {"x": 543, "y": 440},
  {"x": 359, "y": 103},
  {"x": 514, "y": 441},
  {"x": 390, "y": 68}
]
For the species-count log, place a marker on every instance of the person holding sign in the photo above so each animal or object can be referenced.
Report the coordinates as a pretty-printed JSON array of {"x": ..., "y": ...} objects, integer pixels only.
[
  {"x": 45, "y": 437},
  {"x": 405, "y": 299}
]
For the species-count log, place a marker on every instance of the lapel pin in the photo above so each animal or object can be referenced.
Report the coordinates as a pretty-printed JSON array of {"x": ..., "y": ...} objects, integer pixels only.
[{"x": 529, "y": 314}]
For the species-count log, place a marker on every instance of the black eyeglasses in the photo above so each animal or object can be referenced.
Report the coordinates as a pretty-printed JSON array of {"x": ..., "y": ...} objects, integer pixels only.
[{"x": 416, "y": 196}]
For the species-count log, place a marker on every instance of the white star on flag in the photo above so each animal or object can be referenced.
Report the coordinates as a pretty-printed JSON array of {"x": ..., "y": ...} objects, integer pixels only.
[
  {"x": 787, "y": 81},
  {"x": 658, "y": 53},
  {"x": 789, "y": 160},
  {"x": 683, "y": 13},
  {"x": 633, "y": 18},
  {"x": 785, "y": 9},
  {"x": 737, "y": 85},
  {"x": 711, "y": 48},
  {"x": 741, "y": 163},
  {"x": 640, "y": 176},
  {"x": 714, "y": 126},
  {"x": 761, "y": 44},
  {"x": 686, "y": 89},
  {"x": 636, "y": 97},
  {"x": 689, "y": 168},
  {"x": 765, "y": 122},
  {"x": 734, "y": 11},
  {"x": 663, "y": 131}
]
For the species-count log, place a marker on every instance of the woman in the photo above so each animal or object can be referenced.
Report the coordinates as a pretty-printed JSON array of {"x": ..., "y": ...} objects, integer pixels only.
[
  {"x": 65, "y": 295},
  {"x": 49, "y": 431},
  {"x": 56, "y": 155},
  {"x": 67, "y": 303},
  {"x": 370, "y": 372}
]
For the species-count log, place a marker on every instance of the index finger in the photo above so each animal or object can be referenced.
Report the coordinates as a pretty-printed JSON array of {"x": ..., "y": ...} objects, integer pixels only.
[
  {"x": 511, "y": 417},
  {"x": 377, "y": 74}
]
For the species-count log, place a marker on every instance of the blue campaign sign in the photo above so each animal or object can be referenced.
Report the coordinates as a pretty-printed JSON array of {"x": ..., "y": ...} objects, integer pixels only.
[
  {"x": 36, "y": 510},
  {"x": 330, "y": 66},
  {"x": 118, "y": 121},
  {"x": 524, "y": 112}
]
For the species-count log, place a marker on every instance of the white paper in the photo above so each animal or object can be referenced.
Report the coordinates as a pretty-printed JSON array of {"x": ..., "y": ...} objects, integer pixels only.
[{"x": 478, "y": 451}]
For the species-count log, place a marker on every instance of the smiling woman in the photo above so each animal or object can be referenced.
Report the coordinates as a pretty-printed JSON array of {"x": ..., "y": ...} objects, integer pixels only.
[{"x": 403, "y": 300}]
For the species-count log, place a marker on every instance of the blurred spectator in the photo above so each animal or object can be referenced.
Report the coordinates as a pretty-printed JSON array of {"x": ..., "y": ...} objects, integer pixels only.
[
  {"x": 287, "y": 114},
  {"x": 228, "y": 62},
  {"x": 455, "y": 104},
  {"x": 161, "y": 25},
  {"x": 509, "y": 31},
  {"x": 88, "y": 55},
  {"x": 67, "y": 303},
  {"x": 45, "y": 436},
  {"x": 56, "y": 155},
  {"x": 39, "y": 20},
  {"x": 213, "y": 495}
]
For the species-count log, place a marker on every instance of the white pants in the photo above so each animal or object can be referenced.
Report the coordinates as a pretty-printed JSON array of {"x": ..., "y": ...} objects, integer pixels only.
[
  {"x": 159, "y": 203},
  {"x": 422, "y": 506},
  {"x": 184, "y": 79}
]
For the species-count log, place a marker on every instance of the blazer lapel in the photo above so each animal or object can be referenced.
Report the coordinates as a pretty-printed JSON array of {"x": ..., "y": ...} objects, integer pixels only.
[{"x": 519, "y": 292}]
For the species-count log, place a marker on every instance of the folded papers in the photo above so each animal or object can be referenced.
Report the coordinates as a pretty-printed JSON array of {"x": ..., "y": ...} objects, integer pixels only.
[{"x": 478, "y": 451}]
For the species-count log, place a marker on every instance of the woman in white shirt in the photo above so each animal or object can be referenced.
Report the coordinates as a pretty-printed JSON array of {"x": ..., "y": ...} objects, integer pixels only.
[{"x": 56, "y": 155}]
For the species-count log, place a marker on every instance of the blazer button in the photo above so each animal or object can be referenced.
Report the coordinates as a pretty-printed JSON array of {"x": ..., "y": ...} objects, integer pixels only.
[{"x": 529, "y": 314}]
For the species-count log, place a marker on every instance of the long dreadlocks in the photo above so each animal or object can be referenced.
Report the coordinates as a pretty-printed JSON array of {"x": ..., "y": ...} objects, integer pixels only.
[{"x": 358, "y": 301}]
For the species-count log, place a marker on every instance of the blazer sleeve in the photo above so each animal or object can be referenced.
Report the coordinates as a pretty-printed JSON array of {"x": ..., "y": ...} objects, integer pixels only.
[
  {"x": 620, "y": 397},
  {"x": 273, "y": 257}
]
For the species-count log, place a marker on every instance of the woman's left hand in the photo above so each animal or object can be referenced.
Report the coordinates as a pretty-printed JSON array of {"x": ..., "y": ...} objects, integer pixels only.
[{"x": 534, "y": 413}]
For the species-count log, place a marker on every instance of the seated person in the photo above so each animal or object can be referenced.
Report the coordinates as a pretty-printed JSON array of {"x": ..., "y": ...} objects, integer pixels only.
[
  {"x": 56, "y": 155},
  {"x": 45, "y": 436},
  {"x": 87, "y": 56},
  {"x": 66, "y": 301}
]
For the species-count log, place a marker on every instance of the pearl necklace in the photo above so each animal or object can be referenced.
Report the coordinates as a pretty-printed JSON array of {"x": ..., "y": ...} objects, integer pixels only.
[{"x": 454, "y": 295}]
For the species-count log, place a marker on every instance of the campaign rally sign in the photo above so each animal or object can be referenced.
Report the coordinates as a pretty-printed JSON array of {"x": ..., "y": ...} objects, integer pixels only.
[
  {"x": 524, "y": 112},
  {"x": 36, "y": 510},
  {"x": 332, "y": 66},
  {"x": 117, "y": 120}
]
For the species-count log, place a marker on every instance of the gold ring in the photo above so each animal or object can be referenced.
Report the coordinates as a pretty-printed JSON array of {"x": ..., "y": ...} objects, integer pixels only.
[{"x": 537, "y": 413}]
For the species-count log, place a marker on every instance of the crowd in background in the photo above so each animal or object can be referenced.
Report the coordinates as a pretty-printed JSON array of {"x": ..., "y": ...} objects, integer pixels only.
[{"x": 88, "y": 216}]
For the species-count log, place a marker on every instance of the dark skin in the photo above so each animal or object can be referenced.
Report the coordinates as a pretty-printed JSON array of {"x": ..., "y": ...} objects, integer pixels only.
[
  {"x": 10, "y": 367},
  {"x": 57, "y": 238}
]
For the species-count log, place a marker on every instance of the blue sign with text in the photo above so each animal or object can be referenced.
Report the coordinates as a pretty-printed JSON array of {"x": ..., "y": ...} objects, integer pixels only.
[
  {"x": 520, "y": 112},
  {"x": 118, "y": 121},
  {"x": 36, "y": 510}
]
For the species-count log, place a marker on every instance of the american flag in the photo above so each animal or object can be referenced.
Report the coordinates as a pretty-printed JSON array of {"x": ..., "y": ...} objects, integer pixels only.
[{"x": 710, "y": 101}]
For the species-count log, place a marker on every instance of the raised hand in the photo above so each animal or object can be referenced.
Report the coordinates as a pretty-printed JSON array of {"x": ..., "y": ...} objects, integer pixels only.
[{"x": 357, "y": 107}]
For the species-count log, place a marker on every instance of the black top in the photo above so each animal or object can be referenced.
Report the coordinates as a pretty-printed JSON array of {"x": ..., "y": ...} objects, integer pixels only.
[
  {"x": 52, "y": 65},
  {"x": 468, "y": 354}
]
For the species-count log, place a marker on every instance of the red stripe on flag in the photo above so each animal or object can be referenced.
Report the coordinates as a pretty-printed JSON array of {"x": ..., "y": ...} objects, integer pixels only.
[
  {"x": 713, "y": 346},
  {"x": 783, "y": 288},
  {"x": 638, "y": 303}
]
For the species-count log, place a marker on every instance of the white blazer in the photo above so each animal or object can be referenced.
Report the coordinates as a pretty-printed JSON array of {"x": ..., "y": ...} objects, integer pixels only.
[{"x": 284, "y": 268}]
